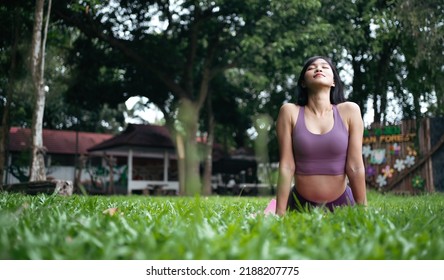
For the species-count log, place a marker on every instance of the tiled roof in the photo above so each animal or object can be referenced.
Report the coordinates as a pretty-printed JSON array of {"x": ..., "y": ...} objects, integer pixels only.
[
  {"x": 139, "y": 135},
  {"x": 56, "y": 141}
]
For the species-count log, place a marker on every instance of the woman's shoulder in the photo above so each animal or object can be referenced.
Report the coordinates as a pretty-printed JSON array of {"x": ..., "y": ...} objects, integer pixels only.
[
  {"x": 290, "y": 105},
  {"x": 351, "y": 114},
  {"x": 349, "y": 108},
  {"x": 289, "y": 108},
  {"x": 289, "y": 112}
]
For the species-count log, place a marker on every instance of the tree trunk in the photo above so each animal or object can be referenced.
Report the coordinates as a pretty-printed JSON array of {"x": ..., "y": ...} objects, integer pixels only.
[
  {"x": 81, "y": 163},
  {"x": 263, "y": 125},
  {"x": 4, "y": 137},
  {"x": 4, "y": 133},
  {"x": 208, "y": 166},
  {"x": 189, "y": 177},
  {"x": 359, "y": 95},
  {"x": 381, "y": 81},
  {"x": 180, "y": 162},
  {"x": 111, "y": 162},
  {"x": 37, "y": 170},
  {"x": 192, "y": 175}
]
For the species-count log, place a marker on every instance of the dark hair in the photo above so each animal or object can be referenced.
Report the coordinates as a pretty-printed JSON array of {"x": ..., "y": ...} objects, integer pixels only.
[{"x": 336, "y": 92}]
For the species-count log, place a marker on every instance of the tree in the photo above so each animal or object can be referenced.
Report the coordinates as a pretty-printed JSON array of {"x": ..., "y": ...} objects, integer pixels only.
[
  {"x": 394, "y": 48},
  {"x": 8, "y": 97},
  {"x": 178, "y": 58},
  {"x": 17, "y": 16},
  {"x": 37, "y": 170},
  {"x": 422, "y": 41}
]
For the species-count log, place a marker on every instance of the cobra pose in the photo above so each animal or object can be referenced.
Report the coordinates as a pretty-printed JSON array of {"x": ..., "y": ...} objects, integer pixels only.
[{"x": 320, "y": 144}]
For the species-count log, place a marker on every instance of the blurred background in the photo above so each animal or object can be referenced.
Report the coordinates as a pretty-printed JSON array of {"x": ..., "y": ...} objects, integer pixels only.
[{"x": 180, "y": 97}]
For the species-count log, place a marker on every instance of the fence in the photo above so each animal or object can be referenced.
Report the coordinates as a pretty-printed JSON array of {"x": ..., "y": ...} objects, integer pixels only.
[{"x": 407, "y": 158}]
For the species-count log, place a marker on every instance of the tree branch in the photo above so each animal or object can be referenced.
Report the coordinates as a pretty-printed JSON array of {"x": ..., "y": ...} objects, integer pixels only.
[
  {"x": 45, "y": 36},
  {"x": 191, "y": 56},
  {"x": 165, "y": 7},
  {"x": 93, "y": 29}
]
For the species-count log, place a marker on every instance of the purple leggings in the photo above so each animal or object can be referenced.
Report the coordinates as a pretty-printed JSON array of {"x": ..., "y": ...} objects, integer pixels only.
[{"x": 299, "y": 203}]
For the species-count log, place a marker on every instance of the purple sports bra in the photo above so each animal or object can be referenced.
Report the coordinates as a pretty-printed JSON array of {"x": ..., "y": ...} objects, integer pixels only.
[{"x": 320, "y": 154}]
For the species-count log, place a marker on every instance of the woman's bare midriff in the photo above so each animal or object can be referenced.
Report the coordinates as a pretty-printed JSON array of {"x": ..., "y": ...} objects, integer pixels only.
[{"x": 320, "y": 188}]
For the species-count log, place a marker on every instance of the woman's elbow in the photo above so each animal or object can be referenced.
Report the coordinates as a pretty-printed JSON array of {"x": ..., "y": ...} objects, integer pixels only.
[
  {"x": 287, "y": 168},
  {"x": 355, "y": 169}
]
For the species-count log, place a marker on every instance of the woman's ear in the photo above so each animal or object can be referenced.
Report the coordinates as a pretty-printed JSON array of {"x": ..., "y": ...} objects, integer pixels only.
[{"x": 303, "y": 84}]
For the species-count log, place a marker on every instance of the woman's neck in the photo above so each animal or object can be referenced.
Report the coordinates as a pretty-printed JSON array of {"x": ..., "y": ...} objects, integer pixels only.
[{"x": 319, "y": 103}]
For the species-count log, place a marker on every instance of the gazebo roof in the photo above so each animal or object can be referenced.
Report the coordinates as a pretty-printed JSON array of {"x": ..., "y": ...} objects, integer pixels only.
[{"x": 138, "y": 135}]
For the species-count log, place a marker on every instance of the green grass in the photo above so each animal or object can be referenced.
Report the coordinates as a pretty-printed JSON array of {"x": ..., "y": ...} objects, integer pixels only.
[{"x": 163, "y": 228}]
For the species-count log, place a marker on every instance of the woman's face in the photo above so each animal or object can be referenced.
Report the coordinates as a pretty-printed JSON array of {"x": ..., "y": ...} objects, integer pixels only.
[{"x": 319, "y": 73}]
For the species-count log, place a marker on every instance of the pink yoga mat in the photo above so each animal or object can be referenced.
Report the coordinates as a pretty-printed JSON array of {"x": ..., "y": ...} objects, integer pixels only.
[{"x": 271, "y": 207}]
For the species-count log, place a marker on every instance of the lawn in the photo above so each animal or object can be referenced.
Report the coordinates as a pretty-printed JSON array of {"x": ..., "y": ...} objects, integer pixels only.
[{"x": 213, "y": 228}]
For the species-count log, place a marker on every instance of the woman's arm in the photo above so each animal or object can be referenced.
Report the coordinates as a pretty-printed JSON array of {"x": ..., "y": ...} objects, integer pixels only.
[
  {"x": 355, "y": 169},
  {"x": 284, "y": 127}
]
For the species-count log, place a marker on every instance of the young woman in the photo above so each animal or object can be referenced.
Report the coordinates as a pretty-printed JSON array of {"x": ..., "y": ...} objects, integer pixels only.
[{"x": 320, "y": 144}]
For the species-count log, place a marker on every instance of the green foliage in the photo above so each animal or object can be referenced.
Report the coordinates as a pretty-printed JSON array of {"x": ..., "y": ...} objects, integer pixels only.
[
  {"x": 393, "y": 46},
  {"x": 389, "y": 46},
  {"x": 78, "y": 227},
  {"x": 15, "y": 36}
]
